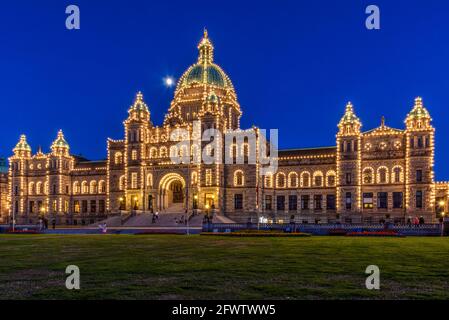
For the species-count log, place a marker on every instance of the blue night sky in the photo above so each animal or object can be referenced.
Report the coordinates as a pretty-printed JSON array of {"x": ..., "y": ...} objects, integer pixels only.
[{"x": 294, "y": 64}]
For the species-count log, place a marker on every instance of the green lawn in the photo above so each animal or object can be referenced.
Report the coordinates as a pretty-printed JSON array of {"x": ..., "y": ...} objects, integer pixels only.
[{"x": 199, "y": 267}]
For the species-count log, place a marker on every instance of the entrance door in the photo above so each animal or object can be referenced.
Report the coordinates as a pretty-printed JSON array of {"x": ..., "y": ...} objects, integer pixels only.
[{"x": 178, "y": 194}]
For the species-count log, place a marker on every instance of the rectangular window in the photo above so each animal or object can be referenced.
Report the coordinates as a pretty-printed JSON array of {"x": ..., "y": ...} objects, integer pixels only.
[
  {"x": 419, "y": 197},
  {"x": 348, "y": 178},
  {"x": 317, "y": 202},
  {"x": 348, "y": 201},
  {"x": 208, "y": 177},
  {"x": 76, "y": 206},
  {"x": 292, "y": 202},
  {"x": 268, "y": 203},
  {"x": 280, "y": 203},
  {"x": 348, "y": 146},
  {"x": 398, "y": 200},
  {"x": 382, "y": 200},
  {"x": 330, "y": 202},
  {"x": 238, "y": 201},
  {"x": 134, "y": 180},
  {"x": 412, "y": 142},
  {"x": 305, "y": 202},
  {"x": 31, "y": 206},
  {"x": 368, "y": 200},
  {"x": 420, "y": 144},
  {"x": 84, "y": 206},
  {"x": 101, "y": 206},
  {"x": 418, "y": 175},
  {"x": 427, "y": 141},
  {"x": 93, "y": 206},
  {"x": 55, "y": 206}
]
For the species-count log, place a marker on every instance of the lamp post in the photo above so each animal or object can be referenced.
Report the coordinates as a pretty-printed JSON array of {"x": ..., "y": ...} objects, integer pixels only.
[{"x": 442, "y": 223}]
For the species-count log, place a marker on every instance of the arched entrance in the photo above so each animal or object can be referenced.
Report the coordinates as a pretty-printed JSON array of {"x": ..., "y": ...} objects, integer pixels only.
[{"x": 172, "y": 193}]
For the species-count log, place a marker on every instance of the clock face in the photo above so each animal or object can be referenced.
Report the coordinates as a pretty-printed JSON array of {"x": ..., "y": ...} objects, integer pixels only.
[
  {"x": 31, "y": 166},
  {"x": 383, "y": 145},
  {"x": 368, "y": 146},
  {"x": 397, "y": 145},
  {"x": 39, "y": 166}
]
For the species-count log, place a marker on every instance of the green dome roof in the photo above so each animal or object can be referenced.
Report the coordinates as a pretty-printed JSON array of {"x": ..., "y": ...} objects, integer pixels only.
[
  {"x": 210, "y": 74},
  {"x": 22, "y": 145},
  {"x": 418, "y": 111},
  {"x": 60, "y": 141}
]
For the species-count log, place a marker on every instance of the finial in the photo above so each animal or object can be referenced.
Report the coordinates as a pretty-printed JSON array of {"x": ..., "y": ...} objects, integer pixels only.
[
  {"x": 418, "y": 101},
  {"x": 349, "y": 106},
  {"x": 205, "y": 33},
  {"x": 382, "y": 122},
  {"x": 139, "y": 96}
]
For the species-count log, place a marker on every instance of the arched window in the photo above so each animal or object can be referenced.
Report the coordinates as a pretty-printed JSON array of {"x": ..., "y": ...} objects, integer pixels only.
[
  {"x": 194, "y": 178},
  {"x": 318, "y": 179},
  {"x": 102, "y": 186},
  {"x": 292, "y": 180},
  {"x": 134, "y": 154},
  {"x": 163, "y": 152},
  {"x": 121, "y": 183},
  {"x": 76, "y": 187},
  {"x": 118, "y": 157},
  {"x": 39, "y": 188},
  {"x": 269, "y": 180},
  {"x": 233, "y": 150},
  {"x": 153, "y": 152},
  {"x": 31, "y": 188},
  {"x": 183, "y": 151},
  {"x": 330, "y": 178},
  {"x": 46, "y": 188},
  {"x": 194, "y": 152},
  {"x": 149, "y": 180},
  {"x": 305, "y": 179},
  {"x": 382, "y": 175},
  {"x": 368, "y": 176},
  {"x": 173, "y": 152},
  {"x": 84, "y": 187},
  {"x": 397, "y": 175},
  {"x": 93, "y": 187},
  {"x": 239, "y": 178},
  {"x": 280, "y": 180},
  {"x": 245, "y": 149}
]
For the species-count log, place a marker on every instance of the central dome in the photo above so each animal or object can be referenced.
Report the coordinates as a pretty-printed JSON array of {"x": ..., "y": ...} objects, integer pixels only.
[{"x": 205, "y": 72}]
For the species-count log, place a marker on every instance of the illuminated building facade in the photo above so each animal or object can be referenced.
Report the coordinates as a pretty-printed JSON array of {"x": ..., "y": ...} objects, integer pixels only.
[{"x": 380, "y": 174}]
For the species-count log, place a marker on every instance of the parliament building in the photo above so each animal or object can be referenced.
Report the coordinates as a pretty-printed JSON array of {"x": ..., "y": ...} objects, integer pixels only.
[{"x": 366, "y": 177}]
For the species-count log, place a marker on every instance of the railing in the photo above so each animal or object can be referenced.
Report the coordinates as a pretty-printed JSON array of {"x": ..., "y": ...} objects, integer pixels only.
[{"x": 324, "y": 229}]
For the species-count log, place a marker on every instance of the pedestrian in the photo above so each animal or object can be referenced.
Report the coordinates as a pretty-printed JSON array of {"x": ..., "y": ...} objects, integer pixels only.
[
  {"x": 157, "y": 215},
  {"x": 54, "y": 224}
]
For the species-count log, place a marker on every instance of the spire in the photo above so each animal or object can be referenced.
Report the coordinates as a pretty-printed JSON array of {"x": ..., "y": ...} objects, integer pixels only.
[
  {"x": 22, "y": 145},
  {"x": 60, "y": 145},
  {"x": 382, "y": 122},
  {"x": 206, "y": 49}
]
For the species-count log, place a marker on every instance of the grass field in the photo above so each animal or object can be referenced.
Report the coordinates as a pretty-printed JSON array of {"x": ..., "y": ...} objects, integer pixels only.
[{"x": 198, "y": 267}]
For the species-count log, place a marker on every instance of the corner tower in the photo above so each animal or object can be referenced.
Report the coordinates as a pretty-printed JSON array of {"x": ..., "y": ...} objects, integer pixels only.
[
  {"x": 349, "y": 166},
  {"x": 419, "y": 175}
]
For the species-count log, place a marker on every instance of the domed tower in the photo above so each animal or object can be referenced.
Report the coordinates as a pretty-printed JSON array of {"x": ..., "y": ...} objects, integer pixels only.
[
  {"x": 420, "y": 189},
  {"x": 59, "y": 164},
  {"x": 204, "y": 92},
  {"x": 18, "y": 170},
  {"x": 137, "y": 127},
  {"x": 349, "y": 165}
]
